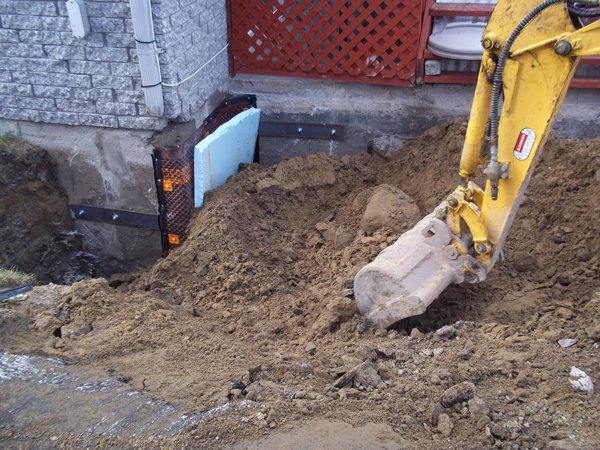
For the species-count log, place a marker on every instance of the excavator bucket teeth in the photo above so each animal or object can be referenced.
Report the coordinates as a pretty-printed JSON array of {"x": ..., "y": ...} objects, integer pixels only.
[{"x": 409, "y": 275}]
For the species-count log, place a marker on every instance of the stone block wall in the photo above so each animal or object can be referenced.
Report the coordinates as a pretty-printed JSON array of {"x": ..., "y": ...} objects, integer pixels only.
[
  {"x": 190, "y": 33},
  {"x": 49, "y": 76}
]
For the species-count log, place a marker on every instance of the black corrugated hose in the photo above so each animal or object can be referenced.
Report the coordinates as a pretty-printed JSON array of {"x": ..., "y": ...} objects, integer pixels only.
[{"x": 582, "y": 12}]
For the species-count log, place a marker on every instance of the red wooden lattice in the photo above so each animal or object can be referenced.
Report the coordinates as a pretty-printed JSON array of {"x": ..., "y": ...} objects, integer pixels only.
[{"x": 372, "y": 41}]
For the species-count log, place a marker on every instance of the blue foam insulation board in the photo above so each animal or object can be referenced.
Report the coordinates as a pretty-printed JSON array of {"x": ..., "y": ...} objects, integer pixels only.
[{"x": 219, "y": 155}]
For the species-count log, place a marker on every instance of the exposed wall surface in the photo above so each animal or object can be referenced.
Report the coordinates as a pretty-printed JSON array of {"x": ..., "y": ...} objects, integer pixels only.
[
  {"x": 107, "y": 168},
  {"x": 47, "y": 75},
  {"x": 369, "y": 112}
]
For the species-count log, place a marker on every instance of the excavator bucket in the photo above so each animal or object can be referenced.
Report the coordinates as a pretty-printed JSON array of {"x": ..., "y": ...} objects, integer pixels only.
[{"x": 405, "y": 278}]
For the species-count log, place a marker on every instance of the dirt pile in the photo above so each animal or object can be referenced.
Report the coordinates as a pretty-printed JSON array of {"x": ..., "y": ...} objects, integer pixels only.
[{"x": 257, "y": 306}]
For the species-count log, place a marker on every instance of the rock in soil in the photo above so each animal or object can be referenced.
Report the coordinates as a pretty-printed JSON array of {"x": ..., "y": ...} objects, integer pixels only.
[{"x": 458, "y": 393}]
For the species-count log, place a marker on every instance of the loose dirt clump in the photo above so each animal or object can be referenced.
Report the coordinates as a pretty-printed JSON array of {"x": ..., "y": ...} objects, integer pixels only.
[{"x": 257, "y": 306}]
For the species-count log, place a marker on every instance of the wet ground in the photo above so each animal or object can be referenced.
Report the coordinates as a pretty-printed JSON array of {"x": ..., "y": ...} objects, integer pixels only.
[
  {"x": 48, "y": 398},
  {"x": 53, "y": 397}
]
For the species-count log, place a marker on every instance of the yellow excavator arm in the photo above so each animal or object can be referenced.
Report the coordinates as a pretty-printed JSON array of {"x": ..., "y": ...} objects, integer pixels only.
[{"x": 531, "y": 51}]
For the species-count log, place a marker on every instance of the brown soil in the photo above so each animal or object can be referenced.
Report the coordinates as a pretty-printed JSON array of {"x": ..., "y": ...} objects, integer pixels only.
[
  {"x": 36, "y": 230},
  {"x": 252, "y": 307}
]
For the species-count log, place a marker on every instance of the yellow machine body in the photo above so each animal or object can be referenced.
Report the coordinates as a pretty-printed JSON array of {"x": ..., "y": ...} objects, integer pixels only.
[{"x": 463, "y": 238}]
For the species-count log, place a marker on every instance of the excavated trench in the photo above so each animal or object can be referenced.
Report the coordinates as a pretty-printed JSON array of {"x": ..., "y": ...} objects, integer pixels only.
[{"x": 254, "y": 312}]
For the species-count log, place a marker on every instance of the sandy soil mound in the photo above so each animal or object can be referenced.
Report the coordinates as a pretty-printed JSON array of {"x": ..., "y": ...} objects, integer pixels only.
[{"x": 256, "y": 306}]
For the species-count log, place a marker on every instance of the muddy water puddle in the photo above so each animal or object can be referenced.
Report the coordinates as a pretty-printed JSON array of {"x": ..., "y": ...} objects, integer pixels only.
[{"x": 49, "y": 396}]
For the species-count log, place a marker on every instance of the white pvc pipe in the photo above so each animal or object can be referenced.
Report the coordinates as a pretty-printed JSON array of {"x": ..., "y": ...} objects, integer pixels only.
[{"x": 143, "y": 31}]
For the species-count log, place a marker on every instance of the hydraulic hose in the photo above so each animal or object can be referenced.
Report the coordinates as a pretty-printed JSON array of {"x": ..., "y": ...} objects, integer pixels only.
[
  {"x": 582, "y": 12},
  {"x": 493, "y": 169}
]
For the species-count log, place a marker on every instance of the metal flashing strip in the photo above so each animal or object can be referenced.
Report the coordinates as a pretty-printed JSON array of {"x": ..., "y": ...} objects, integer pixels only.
[
  {"x": 115, "y": 216},
  {"x": 13, "y": 292},
  {"x": 302, "y": 130}
]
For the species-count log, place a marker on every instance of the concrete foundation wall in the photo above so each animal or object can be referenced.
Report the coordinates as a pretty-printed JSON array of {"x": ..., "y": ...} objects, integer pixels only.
[
  {"x": 107, "y": 168},
  {"x": 369, "y": 111}
]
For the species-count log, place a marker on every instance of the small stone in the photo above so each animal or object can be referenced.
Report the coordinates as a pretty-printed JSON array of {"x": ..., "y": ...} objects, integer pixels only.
[
  {"x": 361, "y": 326},
  {"x": 445, "y": 333},
  {"x": 326, "y": 230},
  {"x": 311, "y": 348},
  {"x": 523, "y": 379},
  {"x": 366, "y": 352},
  {"x": 364, "y": 375},
  {"x": 458, "y": 393},
  {"x": 348, "y": 292},
  {"x": 483, "y": 422},
  {"x": 390, "y": 208},
  {"x": 253, "y": 392},
  {"x": 435, "y": 412},
  {"x": 230, "y": 328},
  {"x": 236, "y": 394},
  {"x": 562, "y": 444},
  {"x": 564, "y": 313},
  {"x": 299, "y": 395},
  {"x": 525, "y": 262},
  {"x": 266, "y": 183},
  {"x": 478, "y": 408},
  {"x": 509, "y": 430},
  {"x": 380, "y": 332},
  {"x": 565, "y": 278},
  {"x": 415, "y": 333},
  {"x": 465, "y": 354},
  {"x": 438, "y": 351},
  {"x": 445, "y": 425},
  {"x": 339, "y": 310},
  {"x": 343, "y": 238},
  {"x": 580, "y": 381},
  {"x": 566, "y": 343},
  {"x": 261, "y": 416},
  {"x": 584, "y": 254}
]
